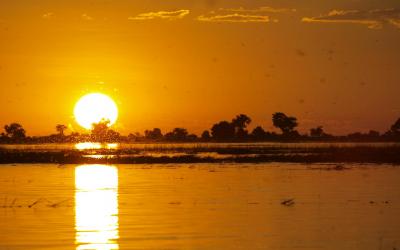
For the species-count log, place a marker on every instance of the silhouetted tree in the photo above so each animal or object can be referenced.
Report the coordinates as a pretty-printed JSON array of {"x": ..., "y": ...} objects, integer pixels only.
[
  {"x": 205, "y": 136},
  {"x": 240, "y": 122},
  {"x": 395, "y": 128},
  {"x": 178, "y": 134},
  {"x": 135, "y": 137},
  {"x": 74, "y": 137},
  {"x": 102, "y": 133},
  {"x": 241, "y": 134},
  {"x": 258, "y": 133},
  {"x": 60, "y": 129},
  {"x": 15, "y": 131},
  {"x": 99, "y": 130},
  {"x": 112, "y": 136},
  {"x": 394, "y": 132},
  {"x": 223, "y": 131},
  {"x": 373, "y": 133},
  {"x": 356, "y": 136},
  {"x": 154, "y": 134},
  {"x": 191, "y": 137},
  {"x": 285, "y": 123},
  {"x": 317, "y": 132}
]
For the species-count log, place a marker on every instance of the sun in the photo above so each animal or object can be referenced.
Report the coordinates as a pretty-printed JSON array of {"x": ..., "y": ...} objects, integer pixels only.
[{"x": 93, "y": 108}]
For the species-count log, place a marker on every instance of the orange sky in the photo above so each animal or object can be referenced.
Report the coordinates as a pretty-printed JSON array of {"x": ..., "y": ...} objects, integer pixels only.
[{"x": 192, "y": 63}]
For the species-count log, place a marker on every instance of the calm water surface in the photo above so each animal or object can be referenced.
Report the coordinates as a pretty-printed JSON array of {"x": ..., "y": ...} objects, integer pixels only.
[{"x": 200, "y": 206}]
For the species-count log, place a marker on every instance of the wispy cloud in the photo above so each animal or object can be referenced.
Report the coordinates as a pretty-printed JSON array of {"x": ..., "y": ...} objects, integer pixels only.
[
  {"x": 167, "y": 15},
  {"x": 373, "y": 19},
  {"x": 244, "y": 15},
  {"x": 262, "y": 9},
  {"x": 235, "y": 18},
  {"x": 86, "y": 17},
  {"x": 48, "y": 15}
]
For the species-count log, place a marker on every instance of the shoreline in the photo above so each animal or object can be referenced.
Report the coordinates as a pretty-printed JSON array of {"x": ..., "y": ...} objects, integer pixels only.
[{"x": 356, "y": 154}]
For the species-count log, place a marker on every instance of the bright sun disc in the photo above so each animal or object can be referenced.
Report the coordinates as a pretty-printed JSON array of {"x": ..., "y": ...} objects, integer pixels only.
[{"x": 93, "y": 108}]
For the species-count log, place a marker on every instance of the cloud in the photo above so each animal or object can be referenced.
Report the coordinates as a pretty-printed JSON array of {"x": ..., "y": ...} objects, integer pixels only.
[
  {"x": 235, "y": 18},
  {"x": 262, "y": 9},
  {"x": 48, "y": 15},
  {"x": 86, "y": 17},
  {"x": 168, "y": 15},
  {"x": 373, "y": 19},
  {"x": 243, "y": 15}
]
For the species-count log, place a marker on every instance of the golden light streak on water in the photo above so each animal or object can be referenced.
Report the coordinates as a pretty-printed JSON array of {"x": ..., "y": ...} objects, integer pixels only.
[
  {"x": 95, "y": 145},
  {"x": 96, "y": 207}
]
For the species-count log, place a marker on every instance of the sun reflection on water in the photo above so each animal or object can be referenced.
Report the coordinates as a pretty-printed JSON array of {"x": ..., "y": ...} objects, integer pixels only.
[
  {"x": 96, "y": 207},
  {"x": 95, "y": 145}
]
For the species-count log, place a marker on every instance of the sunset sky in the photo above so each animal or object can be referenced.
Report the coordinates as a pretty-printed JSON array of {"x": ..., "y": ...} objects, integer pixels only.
[{"x": 192, "y": 63}]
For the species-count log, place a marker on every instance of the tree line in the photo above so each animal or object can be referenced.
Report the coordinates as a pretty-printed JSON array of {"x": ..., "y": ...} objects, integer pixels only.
[{"x": 235, "y": 130}]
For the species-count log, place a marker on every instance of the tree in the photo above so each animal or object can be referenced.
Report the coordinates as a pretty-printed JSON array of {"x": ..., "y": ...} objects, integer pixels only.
[
  {"x": 285, "y": 123},
  {"x": 258, "y": 133},
  {"x": 102, "y": 133},
  {"x": 374, "y": 133},
  {"x": 205, "y": 136},
  {"x": 154, "y": 134},
  {"x": 99, "y": 130},
  {"x": 74, "y": 137},
  {"x": 396, "y": 127},
  {"x": 112, "y": 136},
  {"x": 191, "y": 137},
  {"x": 15, "y": 131},
  {"x": 240, "y": 122},
  {"x": 177, "y": 134},
  {"x": 60, "y": 129},
  {"x": 317, "y": 132},
  {"x": 241, "y": 134},
  {"x": 223, "y": 131},
  {"x": 135, "y": 137}
]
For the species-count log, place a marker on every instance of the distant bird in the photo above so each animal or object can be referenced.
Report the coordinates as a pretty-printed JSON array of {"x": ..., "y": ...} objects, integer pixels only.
[
  {"x": 300, "y": 52},
  {"x": 288, "y": 202}
]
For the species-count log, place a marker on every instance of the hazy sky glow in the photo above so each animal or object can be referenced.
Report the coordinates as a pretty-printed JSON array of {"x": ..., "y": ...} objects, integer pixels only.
[{"x": 192, "y": 63}]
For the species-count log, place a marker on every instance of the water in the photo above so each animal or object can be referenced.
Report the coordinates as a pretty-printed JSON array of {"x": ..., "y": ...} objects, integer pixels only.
[{"x": 199, "y": 206}]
